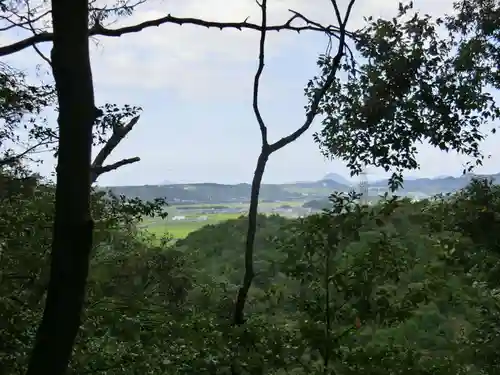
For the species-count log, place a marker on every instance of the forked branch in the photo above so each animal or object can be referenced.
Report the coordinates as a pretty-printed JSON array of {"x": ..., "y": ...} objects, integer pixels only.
[
  {"x": 97, "y": 171},
  {"x": 313, "y": 110},
  {"x": 258, "y": 75},
  {"x": 267, "y": 149},
  {"x": 248, "y": 276},
  {"x": 119, "y": 133}
]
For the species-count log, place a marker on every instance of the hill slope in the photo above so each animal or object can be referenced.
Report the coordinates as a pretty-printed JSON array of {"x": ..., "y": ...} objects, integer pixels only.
[
  {"x": 337, "y": 178},
  {"x": 220, "y": 193},
  {"x": 205, "y": 193}
]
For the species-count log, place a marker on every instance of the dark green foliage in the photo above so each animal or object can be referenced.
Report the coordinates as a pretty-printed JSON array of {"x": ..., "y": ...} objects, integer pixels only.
[
  {"x": 412, "y": 86},
  {"x": 396, "y": 288},
  {"x": 317, "y": 204},
  {"x": 383, "y": 267},
  {"x": 411, "y": 288},
  {"x": 219, "y": 261}
]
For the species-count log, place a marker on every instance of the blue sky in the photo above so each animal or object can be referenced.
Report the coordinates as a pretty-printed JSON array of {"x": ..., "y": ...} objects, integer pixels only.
[{"x": 195, "y": 88}]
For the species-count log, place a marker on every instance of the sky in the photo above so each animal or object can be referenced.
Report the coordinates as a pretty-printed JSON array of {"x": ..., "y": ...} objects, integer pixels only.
[{"x": 195, "y": 88}]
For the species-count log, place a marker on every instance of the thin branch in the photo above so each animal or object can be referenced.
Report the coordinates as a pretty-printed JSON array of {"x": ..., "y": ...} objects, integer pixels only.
[
  {"x": 23, "y": 22},
  {"x": 267, "y": 150},
  {"x": 99, "y": 30},
  {"x": 119, "y": 133},
  {"x": 122, "y": 8},
  {"x": 325, "y": 87},
  {"x": 337, "y": 11},
  {"x": 330, "y": 31},
  {"x": 13, "y": 159},
  {"x": 97, "y": 171},
  {"x": 258, "y": 74},
  {"x": 32, "y": 28}
]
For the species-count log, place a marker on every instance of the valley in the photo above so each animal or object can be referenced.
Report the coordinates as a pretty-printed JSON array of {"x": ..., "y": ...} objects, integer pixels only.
[
  {"x": 184, "y": 219},
  {"x": 193, "y": 206}
]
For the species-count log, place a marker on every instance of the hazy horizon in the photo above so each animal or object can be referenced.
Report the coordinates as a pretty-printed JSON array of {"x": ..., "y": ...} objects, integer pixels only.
[{"x": 353, "y": 180}]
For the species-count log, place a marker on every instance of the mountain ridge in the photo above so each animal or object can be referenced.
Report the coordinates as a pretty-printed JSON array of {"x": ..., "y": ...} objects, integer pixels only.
[
  {"x": 337, "y": 178},
  {"x": 209, "y": 192}
]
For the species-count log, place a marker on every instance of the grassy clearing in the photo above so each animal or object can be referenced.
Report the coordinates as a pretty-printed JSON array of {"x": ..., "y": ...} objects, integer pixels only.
[
  {"x": 181, "y": 228},
  {"x": 177, "y": 231}
]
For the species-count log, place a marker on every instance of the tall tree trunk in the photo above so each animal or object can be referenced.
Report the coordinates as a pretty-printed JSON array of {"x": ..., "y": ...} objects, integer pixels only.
[
  {"x": 239, "y": 315},
  {"x": 73, "y": 226}
]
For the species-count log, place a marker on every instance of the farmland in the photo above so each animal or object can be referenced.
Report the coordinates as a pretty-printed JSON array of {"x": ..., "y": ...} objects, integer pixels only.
[
  {"x": 184, "y": 219},
  {"x": 181, "y": 228}
]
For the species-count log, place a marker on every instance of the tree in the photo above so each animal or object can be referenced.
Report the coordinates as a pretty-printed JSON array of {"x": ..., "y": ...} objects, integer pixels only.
[
  {"x": 410, "y": 79},
  {"x": 381, "y": 291},
  {"x": 267, "y": 149},
  {"x": 22, "y": 104},
  {"x": 73, "y": 224},
  {"x": 21, "y": 109},
  {"x": 25, "y": 226},
  {"x": 412, "y": 85},
  {"x": 417, "y": 63}
]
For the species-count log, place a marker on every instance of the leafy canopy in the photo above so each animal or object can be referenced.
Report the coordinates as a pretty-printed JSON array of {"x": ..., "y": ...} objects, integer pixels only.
[{"x": 418, "y": 80}]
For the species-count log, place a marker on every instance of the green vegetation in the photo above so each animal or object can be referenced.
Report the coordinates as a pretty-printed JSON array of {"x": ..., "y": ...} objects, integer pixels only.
[
  {"x": 181, "y": 228},
  {"x": 194, "y": 217},
  {"x": 366, "y": 289},
  {"x": 394, "y": 288}
]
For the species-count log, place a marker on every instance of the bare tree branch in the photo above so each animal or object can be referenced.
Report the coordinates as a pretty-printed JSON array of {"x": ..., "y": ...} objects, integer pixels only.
[
  {"x": 99, "y": 14},
  {"x": 336, "y": 34},
  {"x": 311, "y": 114},
  {"x": 23, "y": 22},
  {"x": 29, "y": 22},
  {"x": 119, "y": 133},
  {"x": 258, "y": 74},
  {"x": 268, "y": 149},
  {"x": 99, "y": 30},
  {"x": 97, "y": 171}
]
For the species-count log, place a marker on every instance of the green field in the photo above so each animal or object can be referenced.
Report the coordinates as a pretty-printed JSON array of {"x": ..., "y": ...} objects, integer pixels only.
[{"x": 181, "y": 228}]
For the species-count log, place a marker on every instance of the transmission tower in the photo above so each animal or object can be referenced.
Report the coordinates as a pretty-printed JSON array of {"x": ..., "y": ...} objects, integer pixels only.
[{"x": 363, "y": 187}]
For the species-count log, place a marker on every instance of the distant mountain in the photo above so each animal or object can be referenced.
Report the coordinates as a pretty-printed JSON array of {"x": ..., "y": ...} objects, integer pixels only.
[
  {"x": 330, "y": 185},
  {"x": 204, "y": 193},
  {"x": 432, "y": 186},
  {"x": 220, "y": 193},
  {"x": 337, "y": 178}
]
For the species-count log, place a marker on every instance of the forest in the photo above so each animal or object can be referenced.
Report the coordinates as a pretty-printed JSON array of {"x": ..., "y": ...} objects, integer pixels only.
[{"x": 396, "y": 287}]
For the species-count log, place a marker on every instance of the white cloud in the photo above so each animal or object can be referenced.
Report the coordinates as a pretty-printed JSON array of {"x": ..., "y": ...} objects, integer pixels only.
[{"x": 193, "y": 60}]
